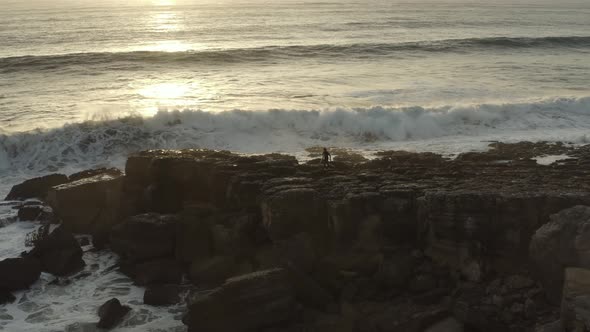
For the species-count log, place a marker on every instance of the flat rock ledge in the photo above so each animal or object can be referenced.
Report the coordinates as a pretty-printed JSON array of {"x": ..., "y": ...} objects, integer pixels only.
[{"x": 487, "y": 241}]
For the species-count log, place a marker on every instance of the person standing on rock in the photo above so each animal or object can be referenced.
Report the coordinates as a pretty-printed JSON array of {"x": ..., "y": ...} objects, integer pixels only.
[{"x": 326, "y": 158}]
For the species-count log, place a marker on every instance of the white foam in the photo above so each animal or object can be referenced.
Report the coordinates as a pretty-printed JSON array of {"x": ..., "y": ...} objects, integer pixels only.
[{"x": 550, "y": 159}]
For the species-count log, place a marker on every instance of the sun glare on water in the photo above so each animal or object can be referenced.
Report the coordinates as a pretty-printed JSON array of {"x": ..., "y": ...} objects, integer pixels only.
[{"x": 164, "y": 91}]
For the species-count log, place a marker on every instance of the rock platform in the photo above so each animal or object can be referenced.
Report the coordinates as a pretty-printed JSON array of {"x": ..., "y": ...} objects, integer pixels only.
[{"x": 403, "y": 242}]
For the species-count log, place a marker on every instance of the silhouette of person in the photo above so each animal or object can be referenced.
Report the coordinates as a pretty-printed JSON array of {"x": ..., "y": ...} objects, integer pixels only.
[{"x": 326, "y": 157}]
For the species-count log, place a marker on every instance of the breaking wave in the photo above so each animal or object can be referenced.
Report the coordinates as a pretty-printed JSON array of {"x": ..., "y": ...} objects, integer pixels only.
[
  {"x": 108, "y": 142},
  {"x": 272, "y": 53}
]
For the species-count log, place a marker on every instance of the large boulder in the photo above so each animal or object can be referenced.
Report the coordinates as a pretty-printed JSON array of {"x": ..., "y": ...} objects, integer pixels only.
[
  {"x": 111, "y": 313},
  {"x": 35, "y": 188},
  {"x": 250, "y": 302},
  {"x": 563, "y": 242},
  {"x": 19, "y": 273},
  {"x": 145, "y": 237},
  {"x": 59, "y": 252},
  {"x": 88, "y": 205},
  {"x": 575, "y": 305}
]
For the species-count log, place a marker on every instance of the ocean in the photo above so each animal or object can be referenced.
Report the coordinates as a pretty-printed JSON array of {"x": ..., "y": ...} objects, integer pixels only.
[{"x": 84, "y": 83}]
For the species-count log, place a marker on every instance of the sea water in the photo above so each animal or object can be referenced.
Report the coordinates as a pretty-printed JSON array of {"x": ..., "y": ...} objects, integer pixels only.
[{"x": 84, "y": 83}]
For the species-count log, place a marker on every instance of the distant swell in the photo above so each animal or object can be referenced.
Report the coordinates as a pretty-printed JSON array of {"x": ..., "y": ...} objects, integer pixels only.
[
  {"x": 272, "y": 53},
  {"x": 89, "y": 144}
]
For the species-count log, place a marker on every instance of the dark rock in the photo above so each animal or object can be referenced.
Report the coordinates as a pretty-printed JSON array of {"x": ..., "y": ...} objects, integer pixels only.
[
  {"x": 30, "y": 212},
  {"x": 564, "y": 241},
  {"x": 292, "y": 211},
  {"x": 35, "y": 188},
  {"x": 59, "y": 252},
  {"x": 161, "y": 295},
  {"x": 111, "y": 313},
  {"x": 384, "y": 316},
  {"x": 90, "y": 204},
  {"x": 308, "y": 291},
  {"x": 423, "y": 283},
  {"x": 145, "y": 237},
  {"x": 19, "y": 273},
  {"x": 194, "y": 239},
  {"x": 158, "y": 272},
  {"x": 213, "y": 271},
  {"x": 6, "y": 297},
  {"x": 250, "y": 302}
]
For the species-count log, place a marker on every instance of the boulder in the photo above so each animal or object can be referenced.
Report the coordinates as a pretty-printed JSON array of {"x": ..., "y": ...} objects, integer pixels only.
[
  {"x": 19, "y": 273},
  {"x": 59, "y": 252},
  {"x": 88, "y": 205},
  {"x": 163, "y": 271},
  {"x": 158, "y": 295},
  {"x": 575, "y": 305},
  {"x": 250, "y": 302},
  {"x": 563, "y": 242},
  {"x": 35, "y": 188},
  {"x": 111, "y": 313},
  {"x": 144, "y": 237}
]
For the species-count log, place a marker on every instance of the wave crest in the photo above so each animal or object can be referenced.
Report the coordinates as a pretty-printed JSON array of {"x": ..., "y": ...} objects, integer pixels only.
[
  {"x": 271, "y": 53},
  {"x": 108, "y": 142}
]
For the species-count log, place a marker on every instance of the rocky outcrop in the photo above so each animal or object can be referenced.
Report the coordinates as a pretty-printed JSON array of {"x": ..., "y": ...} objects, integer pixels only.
[
  {"x": 254, "y": 301},
  {"x": 88, "y": 205},
  {"x": 405, "y": 241},
  {"x": 18, "y": 273},
  {"x": 563, "y": 242},
  {"x": 111, "y": 313},
  {"x": 35, "y": 188}
]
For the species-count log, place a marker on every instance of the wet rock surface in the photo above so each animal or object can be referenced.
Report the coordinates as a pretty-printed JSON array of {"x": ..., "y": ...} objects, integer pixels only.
[
  {"x": 403, "y": 242},
  {"x": 59, "y": 252},
  {"x": 111, "y": 313}
]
